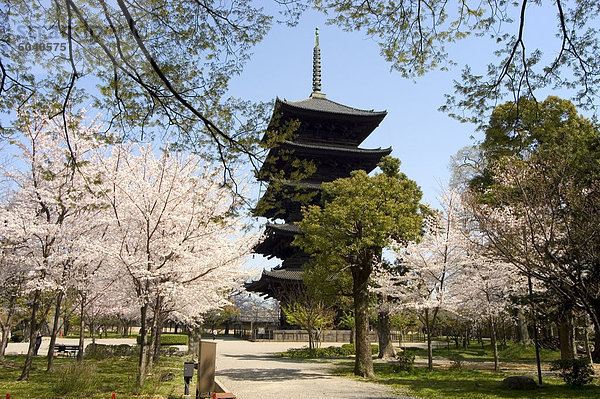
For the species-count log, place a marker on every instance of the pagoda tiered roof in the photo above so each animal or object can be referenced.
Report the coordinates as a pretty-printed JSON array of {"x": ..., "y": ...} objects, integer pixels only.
[
  {"x": 330, "y": 161},
  {"x": 277, "y": 241},
  {"x": 276, "y": 283}
]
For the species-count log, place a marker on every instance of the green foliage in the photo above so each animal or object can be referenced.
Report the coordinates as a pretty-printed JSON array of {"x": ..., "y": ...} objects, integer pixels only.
[
  {"x": 575, "y": 372},
  {"x": 309, "y": 316},
  {"x": 17, "y": 336},
  {"x": 405, "y": 361},
  {"x": 361, "y": 214},
  {"x": 512, "y": 353},
  {"x": 456, "y": 362},
  {"x": 75, "y": 379},
  {"x": 347, "y": 320},
  {"x": 390, "y": 166},
  {"x": 329, "y": 352},
  {"x": 218, "y": 317},
  {"x": 351, "y": 347},
  {"x": 168, "y": 339},
  {"x": 530, "y": 130},
  {"x": 345, "y": 350}
]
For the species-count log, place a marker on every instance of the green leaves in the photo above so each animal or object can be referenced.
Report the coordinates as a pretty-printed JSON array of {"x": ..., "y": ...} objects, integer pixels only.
[{"x": 361, "y": 214}]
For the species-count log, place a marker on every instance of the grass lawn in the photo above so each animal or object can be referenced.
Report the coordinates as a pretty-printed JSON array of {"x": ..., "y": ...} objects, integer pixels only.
[
  {"x": 92, "y": 379},
  {"x": 475, "y": 379},
  {"x": 475, "y": 353},
  {"x": 466, "y": 383}
]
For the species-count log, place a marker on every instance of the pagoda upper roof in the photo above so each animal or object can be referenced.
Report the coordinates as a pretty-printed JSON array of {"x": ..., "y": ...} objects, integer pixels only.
[{"x": 321, "y": 104}]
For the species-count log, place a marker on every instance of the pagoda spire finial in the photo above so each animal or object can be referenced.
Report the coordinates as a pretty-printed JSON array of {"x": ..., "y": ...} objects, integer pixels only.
[{"x": 316, "y": 86}]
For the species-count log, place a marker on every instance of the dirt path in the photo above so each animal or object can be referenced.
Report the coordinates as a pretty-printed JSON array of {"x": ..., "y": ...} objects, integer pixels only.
[{"x": 250, "y": 371}]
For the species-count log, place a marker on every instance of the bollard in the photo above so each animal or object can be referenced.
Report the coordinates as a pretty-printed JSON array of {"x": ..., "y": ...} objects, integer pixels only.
[
  {"x": 114, "y": 395},
  {"x": 188, "y": 373}
]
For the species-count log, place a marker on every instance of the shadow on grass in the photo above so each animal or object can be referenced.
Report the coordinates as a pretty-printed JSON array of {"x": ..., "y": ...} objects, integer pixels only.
[
  {"x": 450, "y": 384},
  {"x": 116, "y": 375}
]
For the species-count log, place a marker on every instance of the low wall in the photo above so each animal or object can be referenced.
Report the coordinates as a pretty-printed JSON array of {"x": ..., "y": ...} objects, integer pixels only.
[{"x": 326, "y": 336}]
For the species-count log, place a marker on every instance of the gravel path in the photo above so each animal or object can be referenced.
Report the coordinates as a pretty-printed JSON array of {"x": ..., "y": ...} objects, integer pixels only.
[{"x": 250, "y": 371}]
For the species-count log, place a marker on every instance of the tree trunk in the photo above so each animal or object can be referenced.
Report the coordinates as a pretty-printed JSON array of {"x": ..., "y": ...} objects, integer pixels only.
[
  {"x": 143, "y": 347},
  {"x": 33, "y": 329},
  {"x": 54, "y": 333},
  {"x": 157, "y": 347},
  {"x": 596, "y": 351},
  {"x": 386, "y": 347},
  {"x": 81, "y": 330},
  {"x": 6, "y": 326},
  {"x": 522, "y": 331},
  {"x": 93, "y": 331},
  {"x": 4, "y": 330},
  {"x": 153, "y": 334},
  {"x": 311, "y": 344},
  {"x": 363, "y": 361},
  {"x": 494, "y": 343},
  {"x": 194, "y": 338},
  {"x": 565, "y": 334},
  {"x": 586, "y": 338},
  {"x": 353, "y": 334},
  {"x": 66, "y": 322},
  {"x": 429, "y": 346}
]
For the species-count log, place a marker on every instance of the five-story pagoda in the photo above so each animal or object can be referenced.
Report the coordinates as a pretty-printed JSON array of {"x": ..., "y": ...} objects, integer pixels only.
[{"x": 311, "y": 141}]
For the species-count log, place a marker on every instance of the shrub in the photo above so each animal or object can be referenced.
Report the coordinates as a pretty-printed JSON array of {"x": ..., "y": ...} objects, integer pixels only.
[
  {"x": 404, "y": 362},
  {"x": 331, "y": 351},
  {"x": 99, "y": 351},
  {"x": 352, "y": 349},
  {"x": 168, "y": 339},
  {"x": 16, "y": 336},
  {"x": 574, "y": 371},
  {"x": 75, "y": 378},
  {"x": 456, "y": 362},
  {"x": 174, "y": 339}
]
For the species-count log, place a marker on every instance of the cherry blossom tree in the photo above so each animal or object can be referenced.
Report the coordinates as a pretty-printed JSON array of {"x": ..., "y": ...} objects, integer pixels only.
[
  {"x": 482, "y": 290},
  {"x": 12, "y": 277},
  {"x": 432, "y": 264},
  {"x": 49, "y": 194},
  {"x": 173, "y": 229}
]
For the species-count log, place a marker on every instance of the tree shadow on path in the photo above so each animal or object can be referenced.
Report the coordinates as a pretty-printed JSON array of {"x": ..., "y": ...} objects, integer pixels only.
[{"x": 276, "y": 374}]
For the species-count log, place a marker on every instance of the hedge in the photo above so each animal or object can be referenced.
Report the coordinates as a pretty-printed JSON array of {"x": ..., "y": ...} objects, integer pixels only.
[{"x": 168, "y": 339}]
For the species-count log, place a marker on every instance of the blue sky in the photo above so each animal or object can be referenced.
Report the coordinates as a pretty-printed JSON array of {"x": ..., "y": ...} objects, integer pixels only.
[{"x": 354, "y": 74}]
